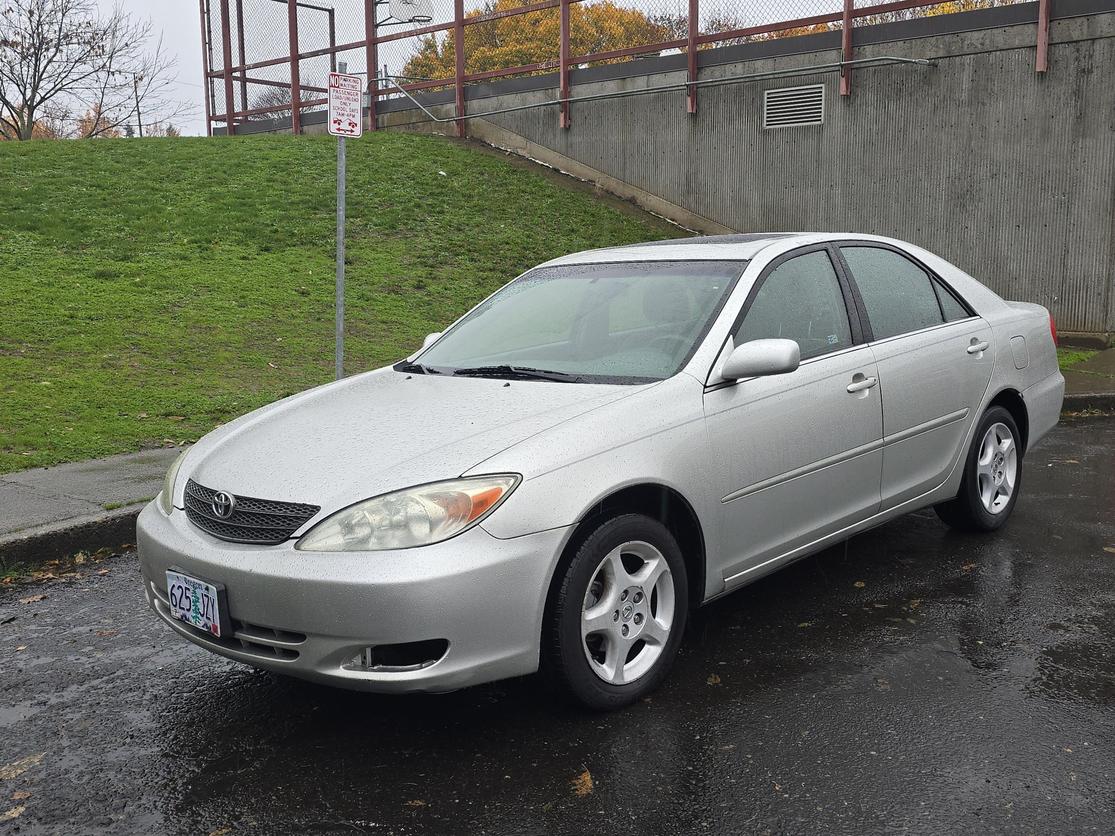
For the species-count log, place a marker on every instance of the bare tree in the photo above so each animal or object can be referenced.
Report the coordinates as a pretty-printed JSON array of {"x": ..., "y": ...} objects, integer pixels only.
[
  {"x": 62, "y": 57},
  {"x": 276, "y": 97}
]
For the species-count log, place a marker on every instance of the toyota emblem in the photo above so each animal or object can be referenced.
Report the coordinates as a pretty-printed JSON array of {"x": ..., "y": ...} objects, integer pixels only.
[{"x": 223, "y": 504}]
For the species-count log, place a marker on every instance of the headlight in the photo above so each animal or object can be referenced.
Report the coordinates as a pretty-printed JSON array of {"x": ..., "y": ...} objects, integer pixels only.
[
  {"x": 413, "y": 517},
  {"x": 166, "y": 498}
]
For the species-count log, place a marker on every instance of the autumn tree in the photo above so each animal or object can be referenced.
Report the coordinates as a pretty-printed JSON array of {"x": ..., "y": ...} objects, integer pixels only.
[
  {"x": 533, "y": 38},
  {"x": 95, "y": 123}
]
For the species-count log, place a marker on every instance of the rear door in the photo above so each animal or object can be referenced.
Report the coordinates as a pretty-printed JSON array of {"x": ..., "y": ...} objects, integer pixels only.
[
  {"x": 935, "y": 359},
  {"x": 798, "y": 455}
]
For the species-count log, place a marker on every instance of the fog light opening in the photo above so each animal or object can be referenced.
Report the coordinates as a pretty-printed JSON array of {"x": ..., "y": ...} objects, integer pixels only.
[{"x": 398, "y": 658}]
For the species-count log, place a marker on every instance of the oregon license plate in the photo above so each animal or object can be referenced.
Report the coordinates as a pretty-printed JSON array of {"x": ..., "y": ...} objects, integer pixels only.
[{"x": 196, "y": 602}]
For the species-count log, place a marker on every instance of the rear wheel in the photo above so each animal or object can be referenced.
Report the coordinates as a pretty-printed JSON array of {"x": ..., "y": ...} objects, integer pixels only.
[
  {"x": 619, "y": 614},
  {"x": 992, "y": 476}
]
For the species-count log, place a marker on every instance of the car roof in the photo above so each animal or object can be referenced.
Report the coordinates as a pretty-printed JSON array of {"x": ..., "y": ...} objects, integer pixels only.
[{"x": 734, "y": 247}]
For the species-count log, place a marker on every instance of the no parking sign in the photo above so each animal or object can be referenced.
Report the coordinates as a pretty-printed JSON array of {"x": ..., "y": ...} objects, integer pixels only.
[{"x": 346, "y": 116}]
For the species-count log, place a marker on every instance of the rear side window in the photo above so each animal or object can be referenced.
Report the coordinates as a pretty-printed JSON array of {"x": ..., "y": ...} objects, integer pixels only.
[
  {"x": 800, "y": 300},
  {"x": 897, "y": 293},
  {"x": 950, "y": 305}
]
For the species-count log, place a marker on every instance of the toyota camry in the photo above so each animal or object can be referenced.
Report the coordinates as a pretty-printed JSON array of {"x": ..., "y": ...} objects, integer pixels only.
[{"x": 607, "y": 442}]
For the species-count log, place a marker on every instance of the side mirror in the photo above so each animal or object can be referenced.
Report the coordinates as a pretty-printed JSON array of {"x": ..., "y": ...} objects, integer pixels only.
[
  {"x": 431, "y": 339},
  {"x": 759, "y": 358}
]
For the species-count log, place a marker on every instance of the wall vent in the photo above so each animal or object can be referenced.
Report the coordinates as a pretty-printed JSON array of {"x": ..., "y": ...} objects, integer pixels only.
[{"x": 794, "y": 107}]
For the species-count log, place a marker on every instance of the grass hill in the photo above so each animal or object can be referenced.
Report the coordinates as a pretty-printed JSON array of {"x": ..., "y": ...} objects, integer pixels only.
[{"x": 153, "y": 289}]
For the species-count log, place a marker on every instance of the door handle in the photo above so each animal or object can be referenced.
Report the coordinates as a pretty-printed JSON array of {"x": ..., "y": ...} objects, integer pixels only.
[
  {"x": 861, "y": 384},
  {"x": 976, "y": 348}
]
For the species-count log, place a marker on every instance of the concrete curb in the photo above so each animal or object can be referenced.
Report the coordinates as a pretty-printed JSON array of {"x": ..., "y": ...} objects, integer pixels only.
[
  {"x": 1103, "y": 401},
  {"x": 56, "y": 541}
]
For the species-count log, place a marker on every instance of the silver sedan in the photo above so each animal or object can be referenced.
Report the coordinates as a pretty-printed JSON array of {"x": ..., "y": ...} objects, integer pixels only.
[{"x": 608, "y": 441}]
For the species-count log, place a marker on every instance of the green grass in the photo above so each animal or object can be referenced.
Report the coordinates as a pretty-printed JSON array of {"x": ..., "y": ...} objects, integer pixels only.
[
  {"x": 1068, "y": 357},
  {"x": 153, "y": 289}
]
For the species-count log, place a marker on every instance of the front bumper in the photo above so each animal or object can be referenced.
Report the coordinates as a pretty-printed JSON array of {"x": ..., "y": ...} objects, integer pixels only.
[{"x": 310, "y": 614}]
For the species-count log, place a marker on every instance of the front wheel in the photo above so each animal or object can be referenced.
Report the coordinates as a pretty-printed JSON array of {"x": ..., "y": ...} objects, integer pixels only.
[
  {"x": 992, "y": 476},
  {"x": 618, "y": 617}
]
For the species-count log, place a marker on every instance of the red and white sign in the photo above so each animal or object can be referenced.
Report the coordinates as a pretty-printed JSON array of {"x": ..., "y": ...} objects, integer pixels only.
[{"x": 346, "y": 94}]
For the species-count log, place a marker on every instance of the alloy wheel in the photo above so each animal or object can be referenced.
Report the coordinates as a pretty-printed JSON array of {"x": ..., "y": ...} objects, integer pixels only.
[
  {"x": 997, "y": 468},
  {"x": 628, "y": 613}
]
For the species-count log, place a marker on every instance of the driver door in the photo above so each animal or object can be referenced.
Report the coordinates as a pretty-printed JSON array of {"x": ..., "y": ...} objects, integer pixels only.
[{"x": 800, "y": 453}]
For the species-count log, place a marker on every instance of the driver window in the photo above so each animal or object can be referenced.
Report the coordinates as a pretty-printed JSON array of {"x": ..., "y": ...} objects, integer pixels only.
[{"x": 801, "y": 301}]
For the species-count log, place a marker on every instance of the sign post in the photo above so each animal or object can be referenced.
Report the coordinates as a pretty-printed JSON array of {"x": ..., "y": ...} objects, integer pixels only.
[{"x": 346, "y": 119}]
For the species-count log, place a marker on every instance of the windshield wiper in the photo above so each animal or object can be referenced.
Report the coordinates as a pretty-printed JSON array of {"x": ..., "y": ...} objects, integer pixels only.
[
  {"x": 416, "y": 368},
  {"x": 523, "y": 372}
]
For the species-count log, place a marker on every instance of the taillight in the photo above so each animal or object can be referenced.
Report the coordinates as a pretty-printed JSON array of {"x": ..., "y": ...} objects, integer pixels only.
[{"x": 1053, "y": 329}]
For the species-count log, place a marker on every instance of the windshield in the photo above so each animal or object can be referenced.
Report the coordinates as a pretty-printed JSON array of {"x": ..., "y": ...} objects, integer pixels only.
[{"x": 631, "y": 322}]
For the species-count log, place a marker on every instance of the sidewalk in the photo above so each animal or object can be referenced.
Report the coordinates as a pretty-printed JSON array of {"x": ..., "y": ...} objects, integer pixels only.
[
  {"x": 51, "y": 512},
  {"x": 1091, "y": 384}
]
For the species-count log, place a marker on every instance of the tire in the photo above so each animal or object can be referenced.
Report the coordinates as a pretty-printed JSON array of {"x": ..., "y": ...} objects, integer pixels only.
[
  {"x": 614, "y": 626},
  {"x": 992, "y": 476}
]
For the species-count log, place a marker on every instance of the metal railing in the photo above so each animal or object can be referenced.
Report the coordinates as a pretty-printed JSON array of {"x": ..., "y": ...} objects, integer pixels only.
[{"x": 266, "y": 59}]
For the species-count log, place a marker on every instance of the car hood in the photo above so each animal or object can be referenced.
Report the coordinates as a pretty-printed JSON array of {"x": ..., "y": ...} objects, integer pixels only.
[{"x": 381, "y": 431}]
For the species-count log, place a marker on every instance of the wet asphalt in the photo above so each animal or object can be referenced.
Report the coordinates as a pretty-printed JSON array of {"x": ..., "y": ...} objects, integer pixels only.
[{"x": 914, "y": 680}]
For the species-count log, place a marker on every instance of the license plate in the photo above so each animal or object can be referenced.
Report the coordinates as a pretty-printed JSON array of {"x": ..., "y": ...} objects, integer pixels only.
[{"x": 196, "y": 602}]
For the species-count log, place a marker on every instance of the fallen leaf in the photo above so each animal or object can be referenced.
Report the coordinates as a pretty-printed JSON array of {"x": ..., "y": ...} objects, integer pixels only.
[
  {"x": 80, "y": 558},
  {"x": 859, "y": 584},
  {"x": 32, "y": 599},
  {"x": 417, "y": 802},
  {"x": 582, "y": 784},
  {"x": 102, "y": 571},
  {"x": 7, "y": 581},
  {"x": 107, "y": 634},
  {"x": 806, "y": 624},
  {"x": 17, "y": 768},
  {"x": 915, "y": 603},
  {"x": 713, "y": 679},
  {"x": 20, "y": 649},
  {"x": 20, "y": 795},
  {"x": 142, "y": 415},
  {"x": 13, "y": 813},
  {"x": 221, "y": 831},
  {"x": 1109, "y": 549},
  {"x": 967, "y": 567}
]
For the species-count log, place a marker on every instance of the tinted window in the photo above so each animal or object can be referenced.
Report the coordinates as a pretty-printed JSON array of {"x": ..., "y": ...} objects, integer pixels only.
[
  {"x": 801, "y": 301},
  {"x": 950, "y": 304},
  {"x": 897, "y": 293}
]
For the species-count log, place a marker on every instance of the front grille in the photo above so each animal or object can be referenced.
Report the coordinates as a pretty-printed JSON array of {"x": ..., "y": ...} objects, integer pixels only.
[{"x": 261, "y": 521}]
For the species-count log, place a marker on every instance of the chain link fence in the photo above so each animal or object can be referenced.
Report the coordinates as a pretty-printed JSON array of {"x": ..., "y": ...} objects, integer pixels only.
[{"x": 413, "y": 43}]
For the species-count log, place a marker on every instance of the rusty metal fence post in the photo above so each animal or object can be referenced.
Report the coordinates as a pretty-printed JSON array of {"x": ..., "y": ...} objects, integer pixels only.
[
  {"x": 1041, "y": 65},
  {"x": 459, "y": 55},
  {"x": 372, "y": 50},
  {"x": 694, "y": 25},
  {"x": 206, "y": 42},
  {"x": 226, "y": 54},
  {"x": 846, "y": 49},
  {"x": 243, "y": 54},
  {"x": 295, "y": 69},
  {"x": 563, "y": 64}
]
